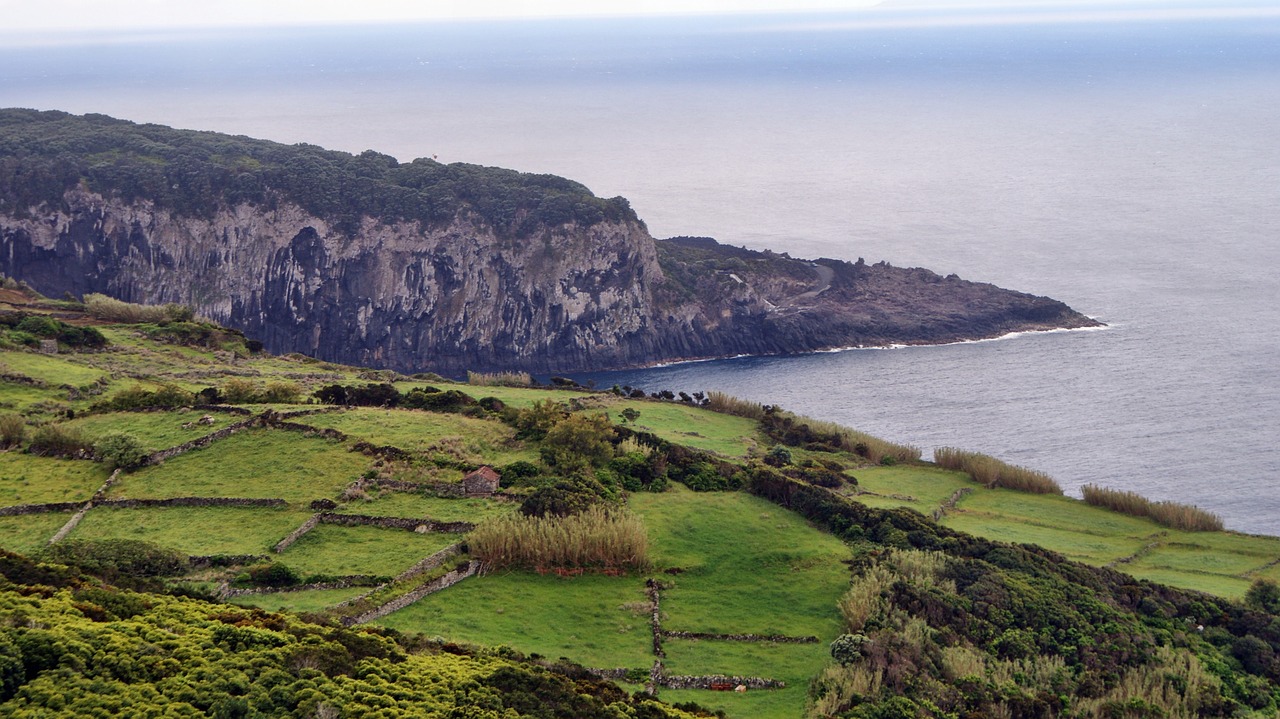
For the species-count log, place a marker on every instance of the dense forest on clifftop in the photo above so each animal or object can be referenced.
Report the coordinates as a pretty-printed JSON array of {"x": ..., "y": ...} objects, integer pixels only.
[{"x": 43, "y": 154}]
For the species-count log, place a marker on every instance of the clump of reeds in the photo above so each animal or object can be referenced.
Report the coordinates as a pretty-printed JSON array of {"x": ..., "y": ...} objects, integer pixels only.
[
  {"x": 13, "y": 430},
  {"x": 995, "y": 473},
  {"x": 728, "y": 404},
  {"x": 1169, "y": 514},
  {"x": 113, "y": 310},
  {"x": 599, "y": 539},
  {"x": 499, "y": 379}
]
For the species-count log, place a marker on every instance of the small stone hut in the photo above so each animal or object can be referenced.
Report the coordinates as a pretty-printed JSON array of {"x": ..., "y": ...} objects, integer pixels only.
[{"x": 481, "y": 483}]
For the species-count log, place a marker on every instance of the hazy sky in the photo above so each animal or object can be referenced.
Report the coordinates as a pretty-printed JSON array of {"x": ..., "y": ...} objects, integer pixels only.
[{"x": 110, "y": 16}]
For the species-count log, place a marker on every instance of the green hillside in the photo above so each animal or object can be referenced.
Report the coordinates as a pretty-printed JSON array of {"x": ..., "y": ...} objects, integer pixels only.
[{"x": 822, "y": 571}]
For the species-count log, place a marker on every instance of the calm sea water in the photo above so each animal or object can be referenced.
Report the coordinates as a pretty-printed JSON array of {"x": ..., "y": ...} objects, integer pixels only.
[{"x": 1131, "y": 169}]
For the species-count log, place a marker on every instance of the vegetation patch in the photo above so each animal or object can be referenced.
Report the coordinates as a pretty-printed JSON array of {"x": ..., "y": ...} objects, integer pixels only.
[
  {"x": 417, "y": 506},
  {"x": 993, "y": 472},
  {"x": 29, "y": 533}
]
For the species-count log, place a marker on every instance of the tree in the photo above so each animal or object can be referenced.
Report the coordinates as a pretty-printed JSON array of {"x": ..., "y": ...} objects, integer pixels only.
[
  {"x": 579, "y": 441},
  {"x": 120, "y": 451},
  {"x": 1263, "y": 595}
]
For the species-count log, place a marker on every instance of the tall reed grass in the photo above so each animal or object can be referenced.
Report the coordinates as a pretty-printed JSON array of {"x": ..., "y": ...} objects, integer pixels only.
[
  {"x": 499, "y": 379},
  {"x": 113, "y": 310},
  {"x": 1169, "y": 514},
  {"x": 728, "y": 404},
  {"x": 995, "y": 473},
  {"x": 597, "y": 539}
]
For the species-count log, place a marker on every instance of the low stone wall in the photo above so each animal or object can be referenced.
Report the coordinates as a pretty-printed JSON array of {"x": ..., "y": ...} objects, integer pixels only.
[
  {"x": 431, "y": 562},
  {"x": 775, "y": 638},
  {"x": 75, "y": 518},
  {"x": 20, "y": 509},
  {"x": 306, "y": 429},
  {"x": 413, "y": 525},
  {"x": 385, "y": 451},
  {"x": 205, "y": 561},
  {"x": 296, "y": 534},
  {"x": 443, "y": 582},
  {"x": 308, "y": 412},
  {"x": 951, "y": 502},
  {"x": 200, "y": 442},
  {"x": 653, "y": 588},
  {"x": 355, "y": 580},
  {"x": 718, "y": 681},
  {"x": 192, "y": 502}
]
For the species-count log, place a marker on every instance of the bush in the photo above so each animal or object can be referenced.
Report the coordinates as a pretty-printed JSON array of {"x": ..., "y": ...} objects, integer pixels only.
[
  {"x": 57, "y": 440},
  {"x": 1263, "y": 595},
  {"x": 139, "y": 397},
  {"x": 282, "y": 393},
  {"x": 116, "y": 559},
  {"x": 848, "y": 648},
  {"x": 500, "y": 379},
  {"x": 113, "y": 310},
  {"x": 272, "y": 575},
  {"x": 13, "y": 429},
  {"x": 518, "y": 473},
  {"x": 120, "y": 451},
  {"x": 566, "y": 497},
  {"x": 579, "y": 441}
]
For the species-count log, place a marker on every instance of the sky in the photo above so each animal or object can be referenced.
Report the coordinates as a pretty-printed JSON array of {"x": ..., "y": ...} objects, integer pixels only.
[{"x": 123, "y": 16}]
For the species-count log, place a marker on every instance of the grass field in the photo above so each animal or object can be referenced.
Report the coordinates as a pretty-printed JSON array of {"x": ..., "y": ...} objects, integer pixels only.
[
  {"x": 194, "y": 530},
  {"x": 489, "y": 441},
  {"x": 30, "y": 533},
  {"x": 748, "y": 565},
  {"x": 27, "y": 479},
  {"x": 54, "y": 370},
  {"x": 595, "y": 620},
  {"x": 794, "y": 664},
  {"x": 251, "y": 463},
  {"x": 920, "y": 488},
  {"x": 518, "y": 397},
  {"x": 339, "y": 550},
  {"x": 406, "y": 504},
  {"x": 692, "y": 426},
  {"x": 156, "y": 430}
]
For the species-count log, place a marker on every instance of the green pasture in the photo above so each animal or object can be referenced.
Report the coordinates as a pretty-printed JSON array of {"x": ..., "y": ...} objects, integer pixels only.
[
  {"x": 408, "y": 504},
  {"x": 29, "y": 533},
  {"x": 923, "y": 489},
  {"x": 595, "y": 620},
  {"x": 53, "y": 370},
  {"x": 27, "y": 479},
  {"x": 156, "y": 430},
  {"x": 746, "y": 565},
  {"x": 723, "y": 434},
  {"x": 311, "y": 600},
  {"x": 195, "y": 530},
  {"x": 251, "y": 463},
  {"x": 380, "y": 551},
  {"x": 489, "y": 441},
  {"x": 794, "y": 664}
]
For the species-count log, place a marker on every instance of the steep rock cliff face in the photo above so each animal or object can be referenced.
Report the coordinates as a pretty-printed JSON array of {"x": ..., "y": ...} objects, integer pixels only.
[
  {"x": 458, "y": 297},
  {"x": 395, "y": 295}
]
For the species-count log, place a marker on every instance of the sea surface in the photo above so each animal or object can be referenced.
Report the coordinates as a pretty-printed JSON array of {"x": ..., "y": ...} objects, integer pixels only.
[{"x": 1125, "y": 161}]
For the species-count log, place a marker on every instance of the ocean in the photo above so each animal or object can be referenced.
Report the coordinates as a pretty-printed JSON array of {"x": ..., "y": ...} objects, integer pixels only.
[{"x": 1125, "y": 163}]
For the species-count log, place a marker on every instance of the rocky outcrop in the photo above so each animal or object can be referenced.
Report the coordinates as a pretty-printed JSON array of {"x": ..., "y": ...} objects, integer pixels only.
[{"x": 420, "y": 266}]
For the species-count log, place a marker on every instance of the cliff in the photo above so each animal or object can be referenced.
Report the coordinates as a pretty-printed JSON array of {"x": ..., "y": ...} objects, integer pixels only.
[{"x": 422, "y": 266}]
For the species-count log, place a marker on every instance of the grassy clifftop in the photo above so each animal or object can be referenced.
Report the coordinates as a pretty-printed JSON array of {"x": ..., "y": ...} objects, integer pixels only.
[{"x": 777, "y": 556}]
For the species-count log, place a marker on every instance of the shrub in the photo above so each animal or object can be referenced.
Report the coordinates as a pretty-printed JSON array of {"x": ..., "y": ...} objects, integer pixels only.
[
  {"x": 1168, "y": 514},
  {"x": 114, "y": 559},
  {"x": 1263, "y": 595},
  {"x": 518, "y": 473},
  {"x": 120, "y": 451},
  {"x": 139, "y": 397},
  {"x": 282, "y": 393},
  {"x": 240, "y": 391},
  {"x": 57, "y": 440},
  {"x": 13, "y": 429},
  {"x": 272, "y": 574},
  {"x": 848, "y": 648},
  {"x": 598, "y": 538},
  {"x": 566, "y": 497}
]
